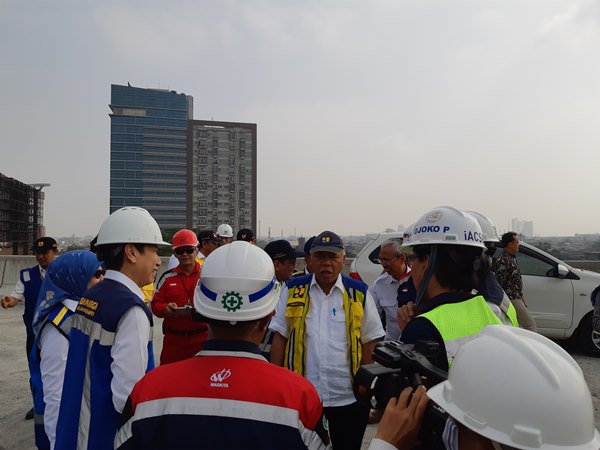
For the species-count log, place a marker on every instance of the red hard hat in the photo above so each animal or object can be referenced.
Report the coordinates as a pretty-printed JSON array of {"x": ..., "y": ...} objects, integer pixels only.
[{"x": 184, "y": 238}]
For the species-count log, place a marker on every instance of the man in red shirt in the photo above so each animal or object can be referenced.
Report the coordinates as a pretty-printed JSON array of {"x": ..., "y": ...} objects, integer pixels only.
[{"x": 174, "y": 300}]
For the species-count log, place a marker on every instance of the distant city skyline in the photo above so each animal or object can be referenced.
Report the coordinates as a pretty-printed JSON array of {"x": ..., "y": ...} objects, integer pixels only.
[{"x": 370, "y": 113}]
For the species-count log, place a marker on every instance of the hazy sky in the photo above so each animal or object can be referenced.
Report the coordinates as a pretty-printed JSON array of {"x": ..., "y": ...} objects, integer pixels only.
[{"x": 369, "y": 113}]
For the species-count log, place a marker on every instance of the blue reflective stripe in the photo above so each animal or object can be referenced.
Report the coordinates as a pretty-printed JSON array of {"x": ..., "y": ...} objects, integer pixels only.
[
  {"x": 260, "y": 294},
  {"x": 206, "y": 291},
  {"x": 251, "y": 298}
]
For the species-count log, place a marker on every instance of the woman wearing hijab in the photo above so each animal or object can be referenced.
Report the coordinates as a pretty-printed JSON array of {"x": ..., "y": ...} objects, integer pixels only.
[{"x": 68, "y": 277}]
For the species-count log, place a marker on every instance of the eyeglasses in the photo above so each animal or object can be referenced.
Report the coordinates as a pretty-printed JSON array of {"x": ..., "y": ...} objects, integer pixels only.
[
  {"x": 385, "y": 262},
  {"x": 182, "y": 250},
  {"x": 100, "y": 273},
  {"x": 410, "y": 258}
]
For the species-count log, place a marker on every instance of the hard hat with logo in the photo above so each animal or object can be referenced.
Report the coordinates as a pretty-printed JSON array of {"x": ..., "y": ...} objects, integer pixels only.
[
  {"x": 237, "y": 284},
  {"x": 487, "y": 227},
  {"x": 225, "y": 230},
  {"x": 130, "y": 225},
  {"x": 184, "y": 238},
  {"x": 447, "y": 226},
  {"x": 538, "y": 400}
]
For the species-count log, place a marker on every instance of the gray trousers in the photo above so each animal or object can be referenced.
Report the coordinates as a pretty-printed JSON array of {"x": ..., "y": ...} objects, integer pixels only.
[{"x": 524, "y": 317}]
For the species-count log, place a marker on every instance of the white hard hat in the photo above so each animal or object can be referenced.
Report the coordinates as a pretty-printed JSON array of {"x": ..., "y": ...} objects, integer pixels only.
[
  {"x": 519, "y": 389},
  {"x": 407, "y": 232},
  {"x": 225, "y": 230},
  {"x": 130, "y": 225},
  {"x": 237, "y": 284},
  {"x": 445, "y": 225},
  {"x": 487, "y": 227}
]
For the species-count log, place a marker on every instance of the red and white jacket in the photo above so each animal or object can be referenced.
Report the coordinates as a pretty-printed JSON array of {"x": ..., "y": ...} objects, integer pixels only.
[{"x": 226, "y": 397}]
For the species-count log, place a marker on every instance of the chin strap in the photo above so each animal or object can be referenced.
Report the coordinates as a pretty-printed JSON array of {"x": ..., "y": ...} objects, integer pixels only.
[{"x": 428, "y": 275}]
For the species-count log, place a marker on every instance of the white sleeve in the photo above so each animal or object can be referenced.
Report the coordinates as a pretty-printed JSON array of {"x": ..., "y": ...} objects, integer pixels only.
[
  {"x": 378, "y": 444},
  {"x": 375, "y": 296},
  {"x": 371, "y": 327},
  {"x": 279, "y": 323},
  {"x": 130, "y": 354},
  {"x": 19, "y": 291},
  {"x": 173, "y": 262},
  {"x": 54, "y": 349}
]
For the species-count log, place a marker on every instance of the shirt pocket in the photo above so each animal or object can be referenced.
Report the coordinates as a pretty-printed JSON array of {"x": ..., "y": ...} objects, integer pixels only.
[{"x": 386, "y": 302}]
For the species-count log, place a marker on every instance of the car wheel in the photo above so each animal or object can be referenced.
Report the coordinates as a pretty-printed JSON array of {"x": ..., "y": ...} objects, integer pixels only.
[{"x": 589, "y": 340}]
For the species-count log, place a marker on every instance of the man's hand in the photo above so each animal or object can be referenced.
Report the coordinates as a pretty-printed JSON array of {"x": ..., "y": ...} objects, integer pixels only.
[
  {"x": 169, "y": 309},
  {"x": 9, "y": 302},
  {"x": 406, "y": 313},
  {"x": 402, "y": 418}
]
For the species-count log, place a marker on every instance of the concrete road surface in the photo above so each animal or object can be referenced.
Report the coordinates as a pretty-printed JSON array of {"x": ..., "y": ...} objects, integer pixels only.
[{"x": 15, "y": 398}]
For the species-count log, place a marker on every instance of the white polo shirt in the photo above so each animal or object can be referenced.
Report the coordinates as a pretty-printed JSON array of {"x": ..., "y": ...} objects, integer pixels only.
[
  {"x": 327, "y": 362},
  {"x": 385, "y": 294}
]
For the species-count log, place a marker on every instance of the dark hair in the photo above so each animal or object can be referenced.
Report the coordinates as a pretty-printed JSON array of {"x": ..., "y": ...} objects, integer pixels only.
[
  {"x": 113, "y": 255},
  {"x": 507, "y": 238},
  {"x": 240, "y": 329},
  {"x": 455, "y": 265}
]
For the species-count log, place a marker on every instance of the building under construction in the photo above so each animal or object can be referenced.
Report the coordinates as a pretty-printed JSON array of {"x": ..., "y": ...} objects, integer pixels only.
[{"x": 21, "y": 215}]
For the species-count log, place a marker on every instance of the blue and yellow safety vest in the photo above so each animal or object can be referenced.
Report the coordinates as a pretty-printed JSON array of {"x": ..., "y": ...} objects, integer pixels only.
[{"x": 297, "y": 308}]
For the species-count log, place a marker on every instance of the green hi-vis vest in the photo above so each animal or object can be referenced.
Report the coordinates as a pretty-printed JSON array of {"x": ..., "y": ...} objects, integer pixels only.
[
  {"x": 297, "y": 308},
  {"x": 460, "y": 322}
]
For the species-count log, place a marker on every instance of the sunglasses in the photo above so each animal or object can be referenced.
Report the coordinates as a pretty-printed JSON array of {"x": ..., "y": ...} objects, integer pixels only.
[
  {"x": 182, "y": 250},
  {"x": 100, "y": 273}
]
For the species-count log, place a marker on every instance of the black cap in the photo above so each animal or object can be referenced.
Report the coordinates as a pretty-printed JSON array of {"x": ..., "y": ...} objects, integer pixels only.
[
  {"x": 208, "y": 235},
  {"x": 281, "y": 249},
  {"x": 245, "y": 234},
  {"x": 327, "y": 241},
  {"x": 42, "y": 245},
  {"x": 308, "y": 245}
]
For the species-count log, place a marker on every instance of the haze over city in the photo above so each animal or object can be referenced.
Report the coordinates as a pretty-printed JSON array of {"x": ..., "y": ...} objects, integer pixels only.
[{"x": 368, "y": 113}]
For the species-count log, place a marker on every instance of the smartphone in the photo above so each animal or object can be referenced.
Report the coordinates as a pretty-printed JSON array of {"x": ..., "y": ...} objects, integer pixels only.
[{"x": 183, "y": 310}]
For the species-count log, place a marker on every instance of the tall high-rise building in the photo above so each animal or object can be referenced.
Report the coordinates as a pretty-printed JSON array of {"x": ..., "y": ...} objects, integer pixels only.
[
  {"x": 522, "y": 227},
  {"x": 222, "y": 170},
  {"x": 148, "y": 152}
]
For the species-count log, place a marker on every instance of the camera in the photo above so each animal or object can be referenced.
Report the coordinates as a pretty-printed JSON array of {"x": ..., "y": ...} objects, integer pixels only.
[{"x": 397, "y": 367}]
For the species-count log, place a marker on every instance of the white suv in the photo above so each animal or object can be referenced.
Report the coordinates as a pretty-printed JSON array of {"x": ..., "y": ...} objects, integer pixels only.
[{"x": 557, "y": 295}]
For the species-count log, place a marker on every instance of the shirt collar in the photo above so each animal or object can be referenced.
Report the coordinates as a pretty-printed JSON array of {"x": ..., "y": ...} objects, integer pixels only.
[
  {"x": 220, "y": 344},
  {"x": 124, "y": 280},
  {"x": 178, "y": 269},
  {"x": 42, "y": 271},
  {"x": 71, "y": 304},
  {"x": 338, "y": 283},
  {"x": 442, "y": 299}
]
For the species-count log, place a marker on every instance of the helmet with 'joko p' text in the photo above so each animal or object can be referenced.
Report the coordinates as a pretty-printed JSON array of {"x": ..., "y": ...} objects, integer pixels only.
[{"x": 445, "y": 225}]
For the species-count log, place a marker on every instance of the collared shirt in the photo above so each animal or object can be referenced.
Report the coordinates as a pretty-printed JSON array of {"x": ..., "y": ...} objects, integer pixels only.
[
  {"x": 327, "y": 363},
  {"x": 130, "y": 349},
  {"x": 174, "y": 262},
  {"x": 19, "y": 290},
  {"x": 509, "y": 275},
  {"x": 385, "y": 292}
]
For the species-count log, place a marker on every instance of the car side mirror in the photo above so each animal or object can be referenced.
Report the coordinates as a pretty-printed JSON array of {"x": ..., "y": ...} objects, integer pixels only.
[{"x": 562, "y": 271}]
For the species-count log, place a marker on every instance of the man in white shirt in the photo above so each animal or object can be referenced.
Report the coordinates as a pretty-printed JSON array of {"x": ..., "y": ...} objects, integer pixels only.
[
  {"x": 326, "y": 326},
  {"x": 386, "y": 288}
]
